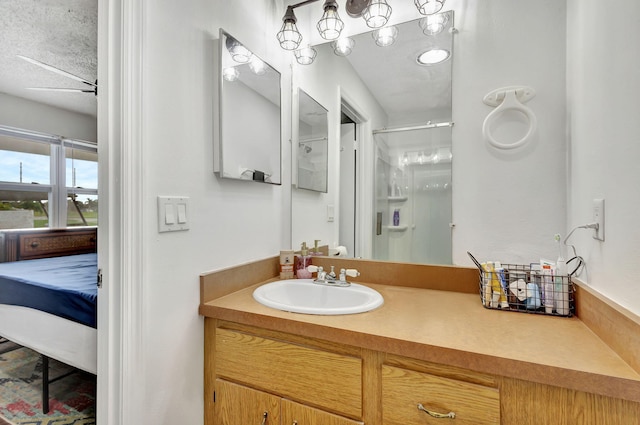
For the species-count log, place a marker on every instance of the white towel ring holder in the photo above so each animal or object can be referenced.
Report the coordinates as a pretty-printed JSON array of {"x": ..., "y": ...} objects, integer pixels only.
[{"x": 504, "y": 99}]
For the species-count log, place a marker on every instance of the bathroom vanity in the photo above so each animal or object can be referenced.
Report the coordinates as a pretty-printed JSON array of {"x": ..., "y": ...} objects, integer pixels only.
[{"x": 429, "y": 353}]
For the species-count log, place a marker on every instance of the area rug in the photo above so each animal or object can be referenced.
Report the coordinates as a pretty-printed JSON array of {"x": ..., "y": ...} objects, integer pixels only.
[{"x": 71, "y": 399}]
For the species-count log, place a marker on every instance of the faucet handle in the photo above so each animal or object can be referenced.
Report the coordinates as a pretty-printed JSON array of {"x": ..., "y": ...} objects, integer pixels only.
[{"x": 352, "y": 272}]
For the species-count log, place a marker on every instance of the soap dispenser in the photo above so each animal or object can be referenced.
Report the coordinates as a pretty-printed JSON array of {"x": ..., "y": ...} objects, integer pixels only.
[
  {"x": 302, "y": 262},
  {"x": 316, "y": 249}
]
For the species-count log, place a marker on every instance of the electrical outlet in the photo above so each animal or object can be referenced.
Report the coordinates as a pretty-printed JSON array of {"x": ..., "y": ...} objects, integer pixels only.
[{"x": 598, "y": 217}]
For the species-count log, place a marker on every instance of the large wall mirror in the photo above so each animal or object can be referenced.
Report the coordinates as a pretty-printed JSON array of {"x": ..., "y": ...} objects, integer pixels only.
[
  {"x": 248, "y": 139},
  {"x": 406, "y": 73},
  {"x": 312, "y": 156}
]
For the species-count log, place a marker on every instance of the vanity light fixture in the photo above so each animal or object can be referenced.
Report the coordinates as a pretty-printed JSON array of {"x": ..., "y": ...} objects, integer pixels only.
[
  {"x": 433, "y": 57},
  {"x": 289, "y": 36},
  {"x": 330, "y": 25},
  {"x": 305, "y": 55},
  {"x": 343, "y": 46},
  {"x": 230, "y": 74},
  {"x": 434, "y": 24},
  {"x": 385, "y": 36},
  {"x": 429, "y": 7},
  {"x": 377, "y": 14},
  {"x": 238, "y": 52}
]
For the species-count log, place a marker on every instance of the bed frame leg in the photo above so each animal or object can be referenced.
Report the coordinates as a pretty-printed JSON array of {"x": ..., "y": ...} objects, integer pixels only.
[{"x": 45, "y": 384}]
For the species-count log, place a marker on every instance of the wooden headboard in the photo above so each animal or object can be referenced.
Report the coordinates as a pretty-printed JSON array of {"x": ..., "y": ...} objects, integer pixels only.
[{"x": 30, "y": 244}]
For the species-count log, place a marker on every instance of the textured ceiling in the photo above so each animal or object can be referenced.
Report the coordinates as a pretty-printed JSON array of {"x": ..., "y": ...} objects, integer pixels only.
[{"x": 61, "y": 33}]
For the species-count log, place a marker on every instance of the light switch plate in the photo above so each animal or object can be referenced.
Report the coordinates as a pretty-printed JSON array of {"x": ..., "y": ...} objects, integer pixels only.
[
  {"x": 173, "y": 213},
  {"x": 330, "y": 213}
]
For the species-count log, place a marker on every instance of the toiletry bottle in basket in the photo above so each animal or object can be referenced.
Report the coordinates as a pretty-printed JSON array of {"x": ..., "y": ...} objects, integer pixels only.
[{"x": 549, "y": 287}]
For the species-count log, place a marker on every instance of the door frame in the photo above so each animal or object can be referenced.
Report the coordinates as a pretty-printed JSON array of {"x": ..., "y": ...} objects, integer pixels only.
[
  {"x": 121, "y": 372},
  {"x": 364, "y": 174}
]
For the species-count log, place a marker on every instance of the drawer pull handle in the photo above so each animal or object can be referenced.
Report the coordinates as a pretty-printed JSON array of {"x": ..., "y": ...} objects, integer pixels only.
[
  {"x": 450, "y": 415},
  {"x": 264, "y": 418},
  {"x": 34, "y": 244}
]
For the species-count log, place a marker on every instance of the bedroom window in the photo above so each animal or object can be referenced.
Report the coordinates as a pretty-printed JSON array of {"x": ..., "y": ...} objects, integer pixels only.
[
  {"x": 81, "y": 167},
  {"x": 46, "y": 180}
]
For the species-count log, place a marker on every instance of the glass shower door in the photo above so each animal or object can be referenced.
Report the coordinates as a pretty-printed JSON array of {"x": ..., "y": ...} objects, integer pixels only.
[{"x": 413, "y": 195}]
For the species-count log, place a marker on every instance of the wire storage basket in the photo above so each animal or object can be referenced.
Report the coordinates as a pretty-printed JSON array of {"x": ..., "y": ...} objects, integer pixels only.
[{"x": 526, "y": 288}]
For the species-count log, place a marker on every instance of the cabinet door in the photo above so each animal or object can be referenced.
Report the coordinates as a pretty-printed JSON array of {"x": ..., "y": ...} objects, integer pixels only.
[
  {"x": 291, "y": 370},
  {"x": 298, "y": 414},
  {"x": 236, "y": 404},
  {"x": 410, "y": 397}
]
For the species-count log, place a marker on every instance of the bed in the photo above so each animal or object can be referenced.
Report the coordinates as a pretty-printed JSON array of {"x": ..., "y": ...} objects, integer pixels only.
[{"x": 48, "y": 293}]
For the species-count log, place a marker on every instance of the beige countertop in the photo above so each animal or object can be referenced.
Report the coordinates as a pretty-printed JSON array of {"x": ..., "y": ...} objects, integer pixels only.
[{"x": 453, "y": 328}]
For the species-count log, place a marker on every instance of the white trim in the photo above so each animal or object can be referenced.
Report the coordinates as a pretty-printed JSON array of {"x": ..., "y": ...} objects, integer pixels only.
[
  {"x": 121, "y": 368},
  {"x": 365, "y": 177},
  {"x": 58, "y": 196},
  {"x": 131, "y": 204}
]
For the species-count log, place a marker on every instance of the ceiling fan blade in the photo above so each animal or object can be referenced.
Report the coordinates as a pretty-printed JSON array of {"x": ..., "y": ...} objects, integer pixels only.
[
  {"x": 64, "y": 89},
  {"x": 58, "y": 71}
]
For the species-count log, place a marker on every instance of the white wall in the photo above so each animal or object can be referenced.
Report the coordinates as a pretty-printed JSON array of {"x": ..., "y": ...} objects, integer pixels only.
[
  {"x": 604, "y": 127},
  {"x": 507, "y": 205},
  {"x": 29, "y": 115},
  {"x": 231, "y": 222}
]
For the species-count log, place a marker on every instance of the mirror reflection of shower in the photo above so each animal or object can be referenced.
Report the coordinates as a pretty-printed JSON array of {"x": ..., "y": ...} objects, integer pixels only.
[
  {"x": 413, "y": 179},
  {"x": 312, "y": 154}
]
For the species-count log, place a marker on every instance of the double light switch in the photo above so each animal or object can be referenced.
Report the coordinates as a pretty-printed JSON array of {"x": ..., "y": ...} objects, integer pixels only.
[{"x": 173, "y": 213}]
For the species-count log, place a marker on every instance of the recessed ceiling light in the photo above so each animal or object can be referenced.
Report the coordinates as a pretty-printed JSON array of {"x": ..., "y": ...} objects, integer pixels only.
[{"x": 433, "y": 57}]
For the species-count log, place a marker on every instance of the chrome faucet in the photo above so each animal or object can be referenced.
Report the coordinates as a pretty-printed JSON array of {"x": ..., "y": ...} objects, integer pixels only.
[{"x": 330, "y": 278}]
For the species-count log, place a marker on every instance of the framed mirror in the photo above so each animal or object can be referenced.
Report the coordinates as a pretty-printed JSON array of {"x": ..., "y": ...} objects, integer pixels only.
[
  {"x": 248, "y": 140},
  {"x": 396, "y": 95},
  {"x": 312, "y": 146}
]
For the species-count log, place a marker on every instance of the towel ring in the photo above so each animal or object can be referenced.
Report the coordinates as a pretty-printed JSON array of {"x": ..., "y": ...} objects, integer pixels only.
[{"x": 505, "y": 99}]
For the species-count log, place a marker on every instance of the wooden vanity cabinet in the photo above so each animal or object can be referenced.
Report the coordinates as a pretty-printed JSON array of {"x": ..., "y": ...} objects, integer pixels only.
[
  {"x": 410, "y": 397},
  {"x": 306, "y": 381},
  {"x": 310, "y": 384},
  {"x": 298, "y": 414},
  {"x": 237, "y": 404}
]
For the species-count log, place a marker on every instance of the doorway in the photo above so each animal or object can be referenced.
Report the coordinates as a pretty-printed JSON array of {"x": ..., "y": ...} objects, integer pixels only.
[{"x": 348, "y": 183}]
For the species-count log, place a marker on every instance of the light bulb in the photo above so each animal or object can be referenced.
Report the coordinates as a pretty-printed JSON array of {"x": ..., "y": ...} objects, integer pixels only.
[
  {"x": 385, "y": 36},
  {"x": 343, "y": 46},
  {"x": 289, "y": 36},
  {"x": 377, "y": 14},
  {"x": 330, "y": 25}
]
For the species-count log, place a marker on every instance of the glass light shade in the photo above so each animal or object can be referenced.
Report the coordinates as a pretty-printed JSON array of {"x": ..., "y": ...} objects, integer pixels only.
[
  {"x": 343, "y": 46},
  {"x": 257, "y": 66},
  {"x": 330, "y": 25},
  {"x": 433, "y": 56},
  {"x": 289, "y": 36},
  {"x": 385, "y": 36},
  {"x": 429, "y": 7},
  {"x": 306, "y": 55},
  {"x": 230, "y": 74},
  {"x": 238, "y": 52},
  {"x": 377, "y": 14},
  {"x": 434, "y": 24}
]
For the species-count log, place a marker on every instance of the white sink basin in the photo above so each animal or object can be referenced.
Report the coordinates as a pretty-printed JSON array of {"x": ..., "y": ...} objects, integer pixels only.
[{"x": 304, "y": 296}]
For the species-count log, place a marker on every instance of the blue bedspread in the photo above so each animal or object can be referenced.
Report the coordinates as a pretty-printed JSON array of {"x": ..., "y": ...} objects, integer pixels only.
[{"x": 64, "y": 286}]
